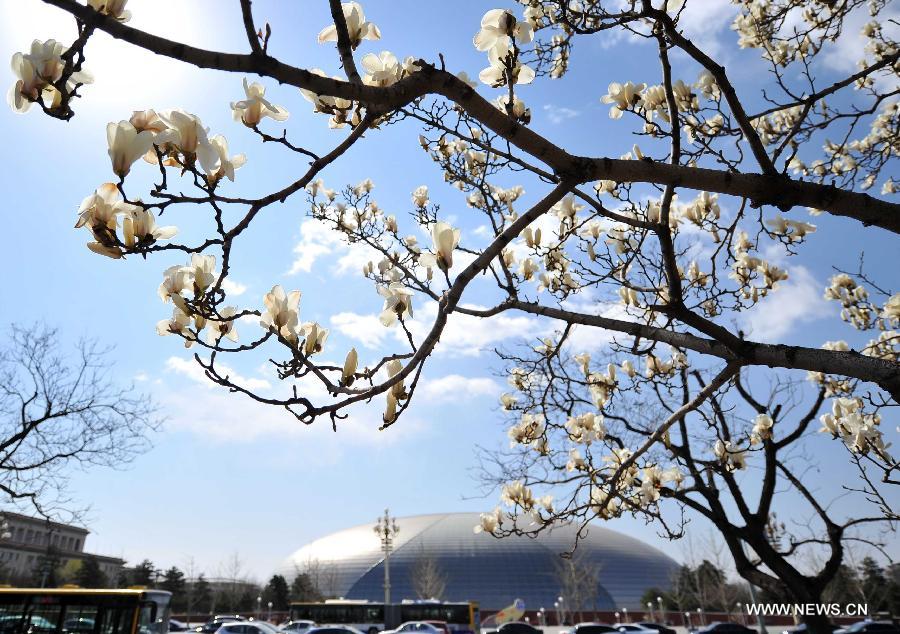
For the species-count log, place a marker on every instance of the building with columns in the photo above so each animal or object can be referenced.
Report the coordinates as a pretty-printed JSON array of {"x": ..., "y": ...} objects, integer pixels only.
[{"x": 27, "y": 542}]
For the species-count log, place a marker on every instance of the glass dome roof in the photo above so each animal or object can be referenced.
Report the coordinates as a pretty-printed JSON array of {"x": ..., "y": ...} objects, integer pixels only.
[{"x": 480, "y": 567}]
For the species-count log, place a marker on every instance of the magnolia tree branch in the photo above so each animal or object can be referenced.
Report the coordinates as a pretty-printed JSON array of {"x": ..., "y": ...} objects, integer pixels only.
[{"x": 780, "y": 191}]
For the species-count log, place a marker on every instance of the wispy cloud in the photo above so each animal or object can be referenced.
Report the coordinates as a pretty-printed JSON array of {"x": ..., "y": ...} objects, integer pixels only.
[
  {"x": 233, "y": 288},
  {"x": 796, "y": 302},
  {"x": 559, "y": 114},
  {"x": 202, "y": 408},
  {"x": 455, "y": 386}
]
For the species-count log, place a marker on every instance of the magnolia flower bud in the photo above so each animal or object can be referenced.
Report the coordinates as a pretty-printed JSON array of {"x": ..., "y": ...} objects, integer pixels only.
[{"x": 347, "y": 375}]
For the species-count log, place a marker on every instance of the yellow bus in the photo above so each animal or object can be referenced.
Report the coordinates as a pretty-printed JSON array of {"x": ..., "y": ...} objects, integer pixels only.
[{"x": 82, "y": 611}]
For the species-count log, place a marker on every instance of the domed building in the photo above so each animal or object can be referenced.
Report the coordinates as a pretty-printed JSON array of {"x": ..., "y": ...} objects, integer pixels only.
[{"x": 479, "y": 567}]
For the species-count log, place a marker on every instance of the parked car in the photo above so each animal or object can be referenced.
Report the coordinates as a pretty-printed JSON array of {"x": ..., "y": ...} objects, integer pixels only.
[
  {"x": 633, "y": 628},
  {"x": 247, "y": 627},
  {"x": 802, "y": 629},
  {"x": 217, "y": 621},
  {"x": 441, "y": 625},
  {"x": 659, "y": 627},
  {"x": 592, "y": 628},
  {"x": 272, "y": 629},
  {"x": 297, "y": 627},
  {"x": 724, "y": 627},
  {"x": 178, "y": 626},
  {"x": 333, "y": 629},
  {"x": 873, "y": 627},
  {"x": 515, "y": 627},
  {"x": 423, "y": 627}
]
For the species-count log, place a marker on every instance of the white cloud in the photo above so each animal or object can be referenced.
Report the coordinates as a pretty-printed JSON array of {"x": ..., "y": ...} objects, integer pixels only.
[
  {"x": 468, "y": 336},
  {"x": 217, "y": 415},
  {"x": 190, "y": 369},
  {"x": 797, "y": 301},
  {"x": 844, "y": 53},
  {"x": 559, "y": 114},
  {"x": 366, "y": 329},
  {"x": 455, "y": 386},
  {"x": 317, "y": 240},
  {"x": 233, "y": 288},
  {"x": 463, "y": 336}
]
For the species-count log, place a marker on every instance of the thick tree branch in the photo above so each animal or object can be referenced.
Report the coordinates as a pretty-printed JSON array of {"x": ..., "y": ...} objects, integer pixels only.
[
  {"x": 760, "y": 189},
  {"x": 879, "y": 371}
]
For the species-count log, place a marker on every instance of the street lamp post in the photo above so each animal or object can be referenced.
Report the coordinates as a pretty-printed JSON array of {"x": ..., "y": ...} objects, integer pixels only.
[
  {"x": 258, "y": 607},
  {"x": 700, "y": 617},
  {"x": 687, "y": 618},
  {"x": 386, "y": 528},
  {"x": 562, "y": 610},
  {"x": 662, "y": 614},
  {"x": 625, "y": 610},
  {"x": 270, "y": 612},
  {"x": 650, "y": 610}
]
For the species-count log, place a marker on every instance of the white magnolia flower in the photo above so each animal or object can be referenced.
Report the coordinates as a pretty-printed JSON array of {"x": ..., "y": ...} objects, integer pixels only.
[
  {"x": 732, "y": 457},
  {"x": 567, "y": 208},
  {"x": 762, "y": 429},
  {"x": 203, "y": 272},
  {"x": 28, "y": 85},
  {"x": 255, "y": 107},
  {"x": 315, "y": 338},
  {"x": 497, "y": 74},
  {"x": 519, "y": 111},
  {"x": 490, "y": 522},
  {"x": 227, "y": 164},
  {"x": 35, "y": 73},
  {"x": 420, "y": 196},
  {"x": 139, "y": 228},
  {"x": 397, "y": 303},
  {"x": 444, "y": 240},
  {"x": 185, "y": 135},
  {"x": 179, "y": 324},
  {"x": 498, "y": 26},
  {"x": 357, "y": 27},
  {"x": 176, "y": 279},
  {"x": 282, "y": 313},
  {"x": 622, "y": 97},
  {"x": 99, "y": 213},
  {"x": 126, "y": 145},
  {"x": 224, "y": 328},
  {"x": 147, "y": 120},
  {"x": 516, "y": 493},
  {"x": 382, "y": 70},
  {"x": 336, "y": 106},
  {"x": 113, "y": 8}
]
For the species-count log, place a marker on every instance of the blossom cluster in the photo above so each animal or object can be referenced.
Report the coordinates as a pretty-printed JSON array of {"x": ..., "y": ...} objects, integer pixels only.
[{"x": 38, "y": 74}]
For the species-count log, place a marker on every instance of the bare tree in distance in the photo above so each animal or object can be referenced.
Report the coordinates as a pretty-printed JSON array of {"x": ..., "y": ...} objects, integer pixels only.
[
  {"x": 660, "y": 254},
  {"x": 322, "y": 574},
  {"x": 61, "y": 411},
  {"x": 578, "y": 579},
  {"x": 427, "y": 575}
]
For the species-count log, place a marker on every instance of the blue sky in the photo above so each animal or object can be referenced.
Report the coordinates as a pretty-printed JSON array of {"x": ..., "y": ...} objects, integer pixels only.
[{"x": 226, "y": 475}]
